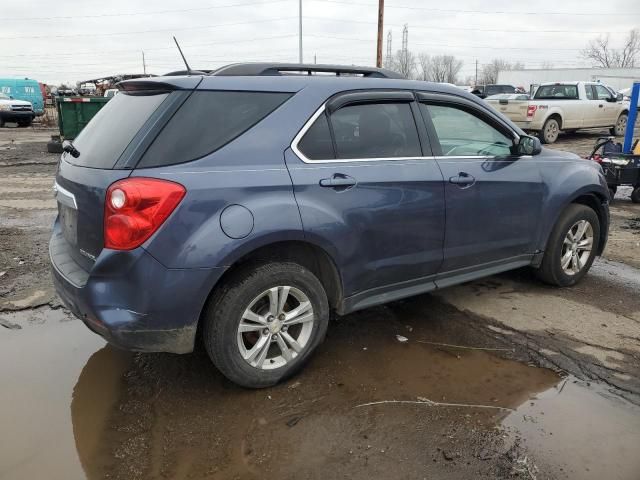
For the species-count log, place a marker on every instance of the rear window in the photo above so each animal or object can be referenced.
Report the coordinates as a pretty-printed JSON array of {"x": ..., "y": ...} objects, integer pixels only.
[
  {"x": 207, "y": 121},
  {"x": 109, "y": 132},
  {"x": 549, "y": 92}
]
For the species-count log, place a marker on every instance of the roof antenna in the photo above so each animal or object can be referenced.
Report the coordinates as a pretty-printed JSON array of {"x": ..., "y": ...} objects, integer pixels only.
[{"x": 182, "y": 55}]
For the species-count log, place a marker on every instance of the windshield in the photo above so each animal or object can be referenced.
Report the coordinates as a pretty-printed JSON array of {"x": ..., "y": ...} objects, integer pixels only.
[
  {"x": 109, "y": 132},
  {"x": 551, "y": 92}
]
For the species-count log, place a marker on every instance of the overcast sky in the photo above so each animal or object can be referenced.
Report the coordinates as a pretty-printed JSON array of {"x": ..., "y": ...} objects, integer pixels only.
[{"x": 70, "y": 40}]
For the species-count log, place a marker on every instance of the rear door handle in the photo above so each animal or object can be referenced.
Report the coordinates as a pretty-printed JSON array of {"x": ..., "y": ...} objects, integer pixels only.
[
  {"x": 463, "y": 179},
  {"x": 600, "y": 106},
  {"x": 339, "y": 180}
]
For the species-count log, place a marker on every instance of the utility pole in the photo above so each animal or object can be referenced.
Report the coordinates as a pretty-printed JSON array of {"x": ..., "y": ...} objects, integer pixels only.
[
  {"x": 476, "y": 72},
  {"x": 144, "y": 64},
  {"x": 380, "y": 33},
  {"x": 314, "y": 59},
  {"x": 300, "y": 31}
]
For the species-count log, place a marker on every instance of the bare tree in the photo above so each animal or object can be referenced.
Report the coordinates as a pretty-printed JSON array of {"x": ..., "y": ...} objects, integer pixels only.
[
  {"x": 404, "y": 62},
  {"x": 424, "y": 67},
  {"x": 600, "y": 51},
  {"x": 491, "y": 70},
  {"x": 445, "y": 68}
]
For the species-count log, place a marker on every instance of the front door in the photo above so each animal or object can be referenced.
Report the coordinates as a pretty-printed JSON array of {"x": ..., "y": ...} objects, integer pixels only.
[
  {"x": 369, "y": 191},
  {"x": 493, "y": 198}
]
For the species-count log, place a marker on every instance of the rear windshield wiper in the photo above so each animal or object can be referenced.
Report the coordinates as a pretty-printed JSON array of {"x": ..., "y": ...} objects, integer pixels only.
[{"x": 68, "y": 147}]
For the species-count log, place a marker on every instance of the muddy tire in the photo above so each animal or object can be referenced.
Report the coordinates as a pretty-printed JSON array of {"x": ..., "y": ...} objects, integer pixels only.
[
  {"x": 24, "y": 123},
  {"x": 635, "y": 195},
  {"x": 550, "y": 131},
  {"x": 612, "y": 193},
  {"x": 263, "y": 324},
  {"x": 571, "y": 247},
  {"x": 620, "y": 127}
]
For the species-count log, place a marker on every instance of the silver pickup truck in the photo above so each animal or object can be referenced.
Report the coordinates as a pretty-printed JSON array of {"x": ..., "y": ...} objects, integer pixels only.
[{"x": 566, "y": 106}]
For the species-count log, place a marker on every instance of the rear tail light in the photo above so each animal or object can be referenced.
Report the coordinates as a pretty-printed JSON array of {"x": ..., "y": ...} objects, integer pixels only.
[
  {"x": 531, "y": 110},
  {"x": 135, "y": 208}
]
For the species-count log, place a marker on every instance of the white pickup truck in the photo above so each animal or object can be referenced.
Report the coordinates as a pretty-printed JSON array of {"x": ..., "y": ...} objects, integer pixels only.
[{"x": 566, "y": 106}]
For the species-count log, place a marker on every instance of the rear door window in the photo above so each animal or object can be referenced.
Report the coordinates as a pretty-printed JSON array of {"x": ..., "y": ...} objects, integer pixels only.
[
  {"x": 105, "y": 137},
  {"x": 375, "y": 130},
  {"x": 207, "y": 121}
]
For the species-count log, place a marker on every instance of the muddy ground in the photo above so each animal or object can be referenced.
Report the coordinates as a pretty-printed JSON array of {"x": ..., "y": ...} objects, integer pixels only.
[{"x": 499, "y": 378}]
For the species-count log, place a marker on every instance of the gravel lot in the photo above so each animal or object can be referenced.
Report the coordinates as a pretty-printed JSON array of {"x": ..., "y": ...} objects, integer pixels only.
[{"x": 500, "y": 378}]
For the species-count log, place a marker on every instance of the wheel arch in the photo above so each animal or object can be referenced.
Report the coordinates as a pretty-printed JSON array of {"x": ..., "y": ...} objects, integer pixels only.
[
  {"x": 592, "y": 199},
  {"x": 304, "y": 253}
]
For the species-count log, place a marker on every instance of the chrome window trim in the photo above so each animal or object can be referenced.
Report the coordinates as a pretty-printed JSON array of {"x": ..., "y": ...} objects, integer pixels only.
[
  {"x": 303, "y": 157},
  {"x": 320, "y": 111}
]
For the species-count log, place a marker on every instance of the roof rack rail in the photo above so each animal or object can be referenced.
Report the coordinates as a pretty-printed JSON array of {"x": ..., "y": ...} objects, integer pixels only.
[{"x": 267, "y": 69}]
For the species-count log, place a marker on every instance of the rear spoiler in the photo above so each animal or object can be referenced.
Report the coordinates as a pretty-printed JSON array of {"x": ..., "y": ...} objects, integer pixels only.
[{"x": 152, "y": 86}]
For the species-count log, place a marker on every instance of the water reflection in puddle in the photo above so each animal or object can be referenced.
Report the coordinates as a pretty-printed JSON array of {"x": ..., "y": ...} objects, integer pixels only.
[{"x": 42, "y": 369}]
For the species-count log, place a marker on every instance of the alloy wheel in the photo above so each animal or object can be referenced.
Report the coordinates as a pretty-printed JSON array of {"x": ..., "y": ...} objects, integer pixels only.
[
  {"x": 275, "y": 328},
  {"x": 576, "y": 247}
]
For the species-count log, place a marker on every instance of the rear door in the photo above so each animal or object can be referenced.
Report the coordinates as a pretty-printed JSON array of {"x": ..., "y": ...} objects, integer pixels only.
[
  {"x": 608, "y": 110},
  {"x": 493, "y": 199},
  {"x": 369, "y": 190}
]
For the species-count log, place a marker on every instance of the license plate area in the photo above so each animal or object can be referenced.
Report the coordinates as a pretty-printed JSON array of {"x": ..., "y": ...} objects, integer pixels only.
[{"x": 69, "y": 223}]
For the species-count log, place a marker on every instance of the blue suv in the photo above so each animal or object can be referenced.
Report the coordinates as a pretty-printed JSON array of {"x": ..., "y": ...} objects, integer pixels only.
[{"x": 239, "y": 208}]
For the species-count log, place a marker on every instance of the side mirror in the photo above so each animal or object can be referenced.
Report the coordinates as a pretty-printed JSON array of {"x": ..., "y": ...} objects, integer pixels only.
[
  {"x": 619, "y": 97},
  {"x": 528, "y": 145}
]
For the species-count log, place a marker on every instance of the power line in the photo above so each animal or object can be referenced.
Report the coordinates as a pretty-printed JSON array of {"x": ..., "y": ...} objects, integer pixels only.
[
  {"x": 199, "y": 27},
  {"x": 152, "y": 12},
  {"x": 435, "y": 27},
  {"x": 485, "y": 12}
]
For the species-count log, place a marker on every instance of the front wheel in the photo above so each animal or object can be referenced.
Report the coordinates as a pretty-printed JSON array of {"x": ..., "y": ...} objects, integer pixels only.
[
  {"x": 635, "y": 195},
  {"x": 620, "y": 127},
  {"x": 550, "y": 131},
  {"x": 571, "y": 248},
  {"x": 262, "y": 325}
]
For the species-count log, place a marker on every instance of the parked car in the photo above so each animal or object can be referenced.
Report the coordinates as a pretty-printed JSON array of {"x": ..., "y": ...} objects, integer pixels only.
[
  {"x": 240, "y": 208},
  {"x": 509, "y": 104},
  {"x": 110, "y": 92},
  {"x": 16, "y": 111},
  {"x": 569, "y": 106},
  {"x": 626, "y": 95},
  {"x": 24, "y": 89},
  {"x": 484, "y": 91}
]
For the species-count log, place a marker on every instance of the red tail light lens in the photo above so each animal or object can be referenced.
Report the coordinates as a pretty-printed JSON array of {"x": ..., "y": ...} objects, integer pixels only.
[
  {"x": 134, "y": 208},
  {"x": 531, "y": 110}
]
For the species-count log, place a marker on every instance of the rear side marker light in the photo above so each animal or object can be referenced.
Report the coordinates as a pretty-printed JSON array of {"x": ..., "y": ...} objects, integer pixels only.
[{"x": 135, "y": 208}]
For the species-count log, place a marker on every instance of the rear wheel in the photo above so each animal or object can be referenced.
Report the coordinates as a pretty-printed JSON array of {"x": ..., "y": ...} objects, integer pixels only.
[
  {"x": 635, "y": 195},
  {"x": 550, "y": 131},
  {"x": 572, "y": 247},
  {"x": 620, "y": 127},
  {"x": 24, "y": 123},
  {"x": 264, "y": 323},
  {"x": 612, "y": 193}
]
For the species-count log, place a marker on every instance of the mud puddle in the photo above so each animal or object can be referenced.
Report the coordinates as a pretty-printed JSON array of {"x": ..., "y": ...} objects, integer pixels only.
[
  {"x": 580, "y": 430},
  {"x": 46, "y": 402},
  {"x": 369, "y": 405}
]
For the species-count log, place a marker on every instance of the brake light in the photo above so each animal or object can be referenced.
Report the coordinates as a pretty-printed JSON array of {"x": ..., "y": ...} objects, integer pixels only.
[
  {"x": 531, "y": 110},
  {"x": 134, "y": 208}
]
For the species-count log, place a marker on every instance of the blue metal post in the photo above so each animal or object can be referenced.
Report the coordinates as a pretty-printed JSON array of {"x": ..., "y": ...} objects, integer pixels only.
[{"x": 631, "y": 121}]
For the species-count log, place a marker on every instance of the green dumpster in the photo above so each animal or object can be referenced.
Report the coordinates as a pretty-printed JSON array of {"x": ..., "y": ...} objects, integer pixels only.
[{"x": 75, "y": 112}]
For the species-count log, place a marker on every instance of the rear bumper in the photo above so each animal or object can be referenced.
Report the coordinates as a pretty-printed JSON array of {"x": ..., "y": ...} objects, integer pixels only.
[{"x": 136, "y": 303}]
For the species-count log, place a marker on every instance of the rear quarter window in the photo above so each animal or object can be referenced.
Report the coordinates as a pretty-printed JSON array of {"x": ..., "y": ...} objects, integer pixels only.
[
  {"x": 111, "y": 130},
  {"x": 207, "y": 121}
]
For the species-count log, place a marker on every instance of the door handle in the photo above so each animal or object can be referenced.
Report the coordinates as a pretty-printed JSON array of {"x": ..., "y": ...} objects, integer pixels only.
[
  {"x": 601, "y": 106},
  {"x": 463, "y": 179},
  {"x": 338, "y": 180}
]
